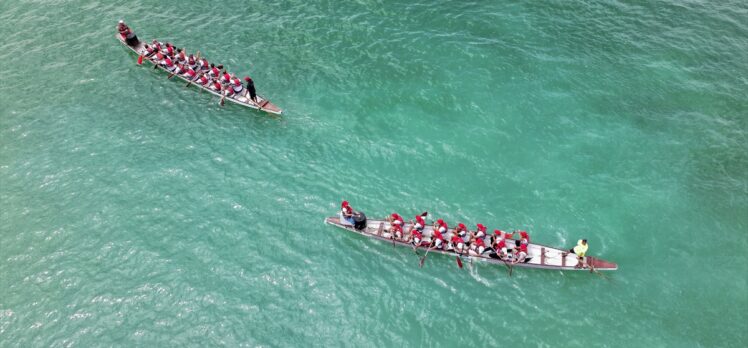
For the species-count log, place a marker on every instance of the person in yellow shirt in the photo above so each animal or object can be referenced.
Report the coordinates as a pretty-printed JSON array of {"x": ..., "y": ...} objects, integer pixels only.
[{"x": 580, "y": 250}]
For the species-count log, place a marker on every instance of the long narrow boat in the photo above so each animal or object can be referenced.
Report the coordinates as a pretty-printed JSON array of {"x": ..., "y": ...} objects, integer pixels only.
[
  {"x": 540, "y": 256},
  {"x": 263, "y": 104}
]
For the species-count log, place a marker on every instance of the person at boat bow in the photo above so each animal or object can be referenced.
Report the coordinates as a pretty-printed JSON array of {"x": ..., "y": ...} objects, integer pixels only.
[
  {"x": 130, "y": 38},
  {"x": 580, "y": 250}
]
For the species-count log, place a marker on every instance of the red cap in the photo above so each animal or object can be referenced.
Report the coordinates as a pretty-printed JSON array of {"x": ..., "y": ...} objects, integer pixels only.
[
  {"x": 461, "y": 225},
  {"x": 481, "y": 227},
  {"x": 395, "y": 216},
  {"x": 440, "y": 221},
  {"x": 344, "y": 204},
  {"x": 498, "y": 232},
  {"x": 523, "y": 247},
  {"x": 247, "y": 78}
]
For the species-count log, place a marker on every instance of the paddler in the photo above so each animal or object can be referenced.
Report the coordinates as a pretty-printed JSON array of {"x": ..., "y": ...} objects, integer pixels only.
[
  {"x": 499, "y": 245},
  {"x": 181, "y": 58},
  {"x": 130, "y": 38},
  {"x": 395, "y": 219},
  {"x": 477, "y": 247},
  {"x": 457, "y": 243},
  {"x": 442, "y": 227},
  {"x": 225, "y": 77},
  {"x": 149, "y": 51},
  {"x": 236, "y": 85},
  {"x": 460, "y": 230},
  {"x": 520, "y": 254},
  {"x": 191, "y": 62},
  {"x": 251, "y": 89},
  {"x": 396, "y": 231},
  {"x": 415, "y": 237},
  {"x": 437, "y": 240},
  {"x": 190, "y": 74},
  {"x": 481, "y": 233},
  {"x": 420, "y": 223}
]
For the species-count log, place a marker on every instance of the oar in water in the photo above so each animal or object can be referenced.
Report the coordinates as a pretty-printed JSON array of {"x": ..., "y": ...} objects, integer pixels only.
[
  {"x": 224, "y": 97},
  {"x": 459, "y": 262},
  {"x": 420, "y": 264}
]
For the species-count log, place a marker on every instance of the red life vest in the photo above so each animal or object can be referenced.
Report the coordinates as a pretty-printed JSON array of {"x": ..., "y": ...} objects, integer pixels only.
[
  {"x": 523, "y": 247},
  {"x": 170, "y": 50},
  {"x": 217, "y": 85},
  {"x": 204, "y": 80},
  {"x": 397, "y": 228},
  {"x": 502, "y": 244},
  {"x": 215, "y": 71},
  {"x": 237, "y": 82},
  {"x": 417, "y": 234},
  {"x": 168, "y": 62},
  {"x": 191, "y": 72},
  {"x": 419, "y": 219},
  {"x": 479, "y": 242},
  {"x": 438, "y": 235},
  {"x": 524, "y": 235},
  {"x": 457, "y": 240}
]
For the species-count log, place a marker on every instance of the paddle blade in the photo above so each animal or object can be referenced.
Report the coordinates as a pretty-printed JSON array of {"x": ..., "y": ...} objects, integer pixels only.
[
  {"x": 140, "y": 59},
  {"x": 459, "y": 262},
  {"x": 420, "y": 264},
  {"x": 424, "y": 214}
]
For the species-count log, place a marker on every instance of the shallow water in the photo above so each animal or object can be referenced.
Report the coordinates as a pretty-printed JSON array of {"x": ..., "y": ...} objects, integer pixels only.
[{"x": 137, "y": 212}]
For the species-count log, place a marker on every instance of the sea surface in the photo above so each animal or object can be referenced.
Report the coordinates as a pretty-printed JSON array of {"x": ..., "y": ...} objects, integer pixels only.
[{"x": 135, "y": 212}]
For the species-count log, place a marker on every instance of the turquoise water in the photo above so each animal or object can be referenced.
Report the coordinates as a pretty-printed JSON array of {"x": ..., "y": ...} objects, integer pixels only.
[{"x": 137, "y": 212}]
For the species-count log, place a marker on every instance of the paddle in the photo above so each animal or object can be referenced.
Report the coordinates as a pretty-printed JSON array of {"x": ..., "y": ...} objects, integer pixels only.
[
  {"x": 420, "y": 264},
  {"x": 459, "y": 262},
  {"x": 140, "y": 59},
  {"x": 221, "y": 103}
]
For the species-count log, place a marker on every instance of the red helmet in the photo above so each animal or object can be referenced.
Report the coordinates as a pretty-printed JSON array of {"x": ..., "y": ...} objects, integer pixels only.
[
  {"x": 461, "y": 225},
  {"x": 344, "y": 204},
  {"x": 481, "y": 227}
]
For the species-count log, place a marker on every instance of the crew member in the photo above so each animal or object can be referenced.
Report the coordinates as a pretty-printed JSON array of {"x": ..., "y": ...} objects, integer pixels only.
[
  {"x": 420, "y": 223},
  {"x": 415, "y": 237},
  {"x": 580, "y": 250},
  {"x": 236, "y": 85},
  {"x": 345, "y": 210},
  {"x": 481, "y": 233},
  {"x": 181, "y": 58},
  {"x": 521, "y": 255},
  {"x": 437, "y": 240},
  {"x": 191, "y": 62},
  {"x": 396, "y": 231},
  {"x": 477, "y": 247},
  {"x": 251, "y": 89},
  {"x": 457, "y": 243},
  {"x": 130, "y": 38}
]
